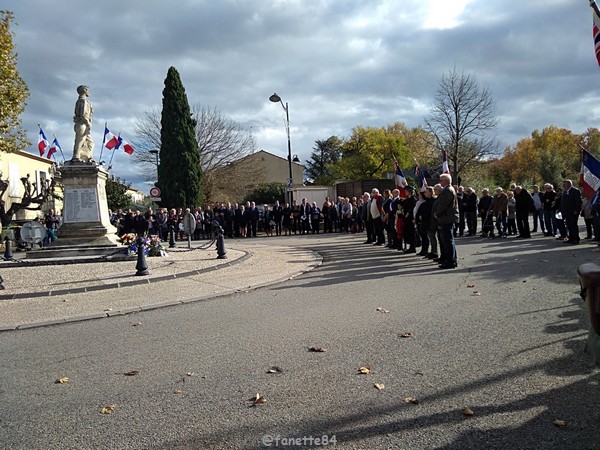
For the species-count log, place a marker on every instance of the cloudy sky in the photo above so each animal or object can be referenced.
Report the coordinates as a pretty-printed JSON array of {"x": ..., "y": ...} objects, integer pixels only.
[{"x": 338, "y": 63}]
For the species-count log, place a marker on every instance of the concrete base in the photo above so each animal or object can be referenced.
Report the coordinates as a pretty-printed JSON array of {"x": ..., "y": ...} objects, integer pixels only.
[{"x": 86, "y": 228}]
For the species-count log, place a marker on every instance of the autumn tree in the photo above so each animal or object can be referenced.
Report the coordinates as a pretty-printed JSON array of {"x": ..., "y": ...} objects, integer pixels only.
[
  {"x": 221, "y": 141},
  {"x": 369, "y": 153},
  {"x": 179, "y": 171},
  {"x": 462, "y": 120},
  {"x": 326, "y": 154},
  {"x": 13, "y": 91}
]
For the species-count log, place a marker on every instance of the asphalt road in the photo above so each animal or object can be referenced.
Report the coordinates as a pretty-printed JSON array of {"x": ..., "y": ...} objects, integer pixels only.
[{"x": 502, "y": 335}]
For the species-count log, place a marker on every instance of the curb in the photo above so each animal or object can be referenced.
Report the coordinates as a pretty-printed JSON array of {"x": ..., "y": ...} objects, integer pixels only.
[{"x": 318, "y": 261}]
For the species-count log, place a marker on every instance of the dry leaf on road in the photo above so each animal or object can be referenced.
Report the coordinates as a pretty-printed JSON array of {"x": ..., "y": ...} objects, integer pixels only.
[
  {"x": 317, "y": 349},
  {"x": 131, "y": 373},
  {"x": 257, "y": 400},
  {"x": 470, "y": 285},
  {"x": 108, "y": 409},
  {"x": 365, "y": 370},
  {"x": 411, "y": 400},
  {"x": 379, "y": 386},
  {"x": 468, "y": 412},
  {"x": 381, "y": 310},
  {"x": 275, "y": 369},
  {"x": 560, "y": 423},
  {"x": 62, "y": 380},
  {"x": 406, "y": 335}
]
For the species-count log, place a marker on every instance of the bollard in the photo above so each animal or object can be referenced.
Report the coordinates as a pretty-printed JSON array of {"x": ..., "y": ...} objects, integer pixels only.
[
  {"x": 221, "y": 251},
  {"x": 7, "y": 250},
  {"x": 171, "y": 236},
  {"x": 142, "y": 265},
  {"x": 589, "y": 278}
]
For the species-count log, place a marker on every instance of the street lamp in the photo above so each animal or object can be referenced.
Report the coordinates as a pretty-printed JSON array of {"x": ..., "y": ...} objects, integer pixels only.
[
  {"x": 277, "y": 99},
  {"x": 155, "y": 152}
]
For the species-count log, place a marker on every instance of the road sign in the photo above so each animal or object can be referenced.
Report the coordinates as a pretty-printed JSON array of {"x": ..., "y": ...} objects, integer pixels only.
[
  {"x": 189, "y": 223},
  {"x": 154, "y": 192}
]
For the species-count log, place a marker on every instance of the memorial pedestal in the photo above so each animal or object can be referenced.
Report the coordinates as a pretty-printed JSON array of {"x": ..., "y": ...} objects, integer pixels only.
[{"x": 86, "y": 228}]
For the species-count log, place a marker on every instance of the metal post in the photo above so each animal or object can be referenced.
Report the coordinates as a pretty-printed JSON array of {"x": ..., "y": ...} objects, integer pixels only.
[
  {"x": 221, "y": 251},
  {"x": 171, "y": 236},
  {"x": 7, "y": 249},
  {"x": 142, "y": 265}
]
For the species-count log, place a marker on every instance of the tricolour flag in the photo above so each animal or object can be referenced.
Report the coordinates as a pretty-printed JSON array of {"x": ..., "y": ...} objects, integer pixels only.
[
  {"x": 42, "y": 143},
  {"x": 110, "y": 140},
  {"x": 590, "y": 174},
  {"x": 445, "y": 168},
  {"x": 126, "y": 146},
  {"x": 54, "y": 148},
  {"x": 399, "y": 175},
  {"x": 596, "y": 29},
  {"x": 421, "y": 176}
]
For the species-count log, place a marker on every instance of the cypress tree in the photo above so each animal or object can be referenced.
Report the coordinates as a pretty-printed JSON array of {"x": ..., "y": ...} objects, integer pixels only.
[{"x": 179, "y": 171}]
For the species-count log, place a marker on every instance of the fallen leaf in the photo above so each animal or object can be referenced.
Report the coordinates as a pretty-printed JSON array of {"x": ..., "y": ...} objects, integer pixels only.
[
  {"x": 317, "y": 349},
  {"x": 516, "y": 259},
  {"x": 406, "y": 335},
  {"x": 108, "y": 409},
  {"x": 62, "y": 380},
  {"x": 381, "y": 310},
  {"x": 132, "y": 373},
  {"x": 365, "y": 370},
  {"x": 379, "y": 386},
  {"x": 468, "y": 412},
  {"x": 108, "y": 309},
  {"x": 136, "y": 324},
  {"x": 560, "y": 423},
  {"x": 190, "y": 374},
  {"x": 470, "y": 285},
  {"x": 476, "y": 293},
  {"x": 257, "y": 400},
  {"x": 177, "y": 391},
  {"x": 544, "y": 260},
  {"x": 411, "y": 400},
  {"x": 275, "y": 369}
]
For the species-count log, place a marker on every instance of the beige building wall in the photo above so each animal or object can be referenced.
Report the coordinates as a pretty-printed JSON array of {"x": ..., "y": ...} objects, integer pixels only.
[
  {"x": 238, "y": 178},
  {"x": 14, "y": 166}
]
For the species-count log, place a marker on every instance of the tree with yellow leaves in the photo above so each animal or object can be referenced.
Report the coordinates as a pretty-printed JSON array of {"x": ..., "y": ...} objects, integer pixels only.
[{"x": 13, "y": 91}]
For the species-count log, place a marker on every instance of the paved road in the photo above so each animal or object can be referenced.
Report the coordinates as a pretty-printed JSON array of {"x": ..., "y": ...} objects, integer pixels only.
[{"x": 513, "y": 354}]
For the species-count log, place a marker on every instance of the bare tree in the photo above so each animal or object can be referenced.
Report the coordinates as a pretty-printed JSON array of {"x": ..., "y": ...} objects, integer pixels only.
[
  {"x": 462, "y": 121},
  {"x": 221, "y": 141}
]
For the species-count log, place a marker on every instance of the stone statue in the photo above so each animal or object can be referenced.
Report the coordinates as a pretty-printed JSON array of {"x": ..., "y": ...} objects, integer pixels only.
[{"x": 82, "y": 151}]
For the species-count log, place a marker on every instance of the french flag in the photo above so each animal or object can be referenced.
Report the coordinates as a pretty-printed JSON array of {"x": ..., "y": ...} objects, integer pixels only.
[
  {"x": 445, "y": 168},
  {"x": 110, "y": 140},
  {"x": 590, "y": 174},
  {"x": 400, "y": 178},
  {"x": 42, "y": 143},
  {"x": 421, "y": 175},
  {"x": 126, "y": 146},
  {"x": 54, "y": 148}
]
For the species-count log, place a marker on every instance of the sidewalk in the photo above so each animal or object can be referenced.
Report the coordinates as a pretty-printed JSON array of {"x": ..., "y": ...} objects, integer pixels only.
[{"x": 53, "y": 294}]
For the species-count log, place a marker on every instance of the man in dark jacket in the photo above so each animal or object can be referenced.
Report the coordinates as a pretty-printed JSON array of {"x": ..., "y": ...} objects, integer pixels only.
[
  {"x": 524, "y": 204},
  {"x": 470, "y": 208},
  {"x": 570, "y": 207},
  {"x": 485, "y": 203},
  {"x": 445, "y": 211}
]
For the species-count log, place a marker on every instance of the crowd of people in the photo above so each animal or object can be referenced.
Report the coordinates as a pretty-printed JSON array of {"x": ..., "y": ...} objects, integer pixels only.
[{"x": 400, "y": 219}]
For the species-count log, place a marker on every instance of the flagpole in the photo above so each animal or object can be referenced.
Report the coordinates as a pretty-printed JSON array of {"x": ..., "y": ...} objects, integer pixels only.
[
  {"x": 60, "y": 148},
  {"x": 103, "y": 139},
  {"x": 114, "y": 150},
  {"x": 594, "y": 6}
]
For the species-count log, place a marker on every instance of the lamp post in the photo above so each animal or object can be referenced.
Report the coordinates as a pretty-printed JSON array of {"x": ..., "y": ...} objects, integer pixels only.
[
  {"x": 277, "y": 99},
  {"x": 155, "y": 153}
]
